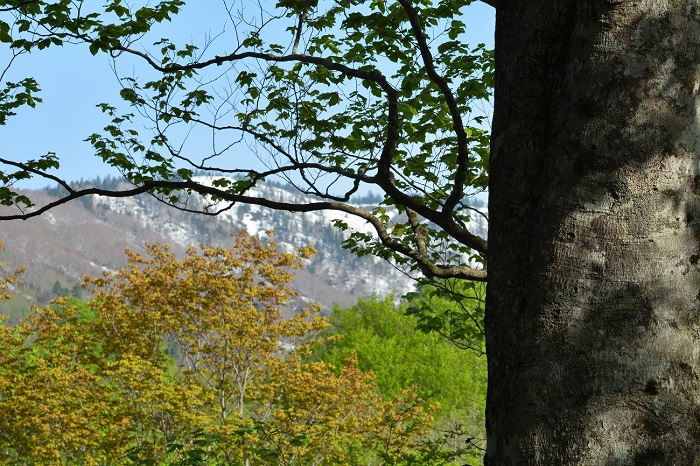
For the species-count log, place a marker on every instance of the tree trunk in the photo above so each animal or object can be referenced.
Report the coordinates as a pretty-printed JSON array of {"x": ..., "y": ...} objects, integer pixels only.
[{"x": 593, "y": 329}]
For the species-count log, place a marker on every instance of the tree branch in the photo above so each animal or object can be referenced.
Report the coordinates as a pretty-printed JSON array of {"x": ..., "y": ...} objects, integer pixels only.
[
  {"x": 462, "y": 169},
  {"x": 294, "y": 57},
  {"x": 384, "y": 178},
  {"x": 27, "y": 168}
]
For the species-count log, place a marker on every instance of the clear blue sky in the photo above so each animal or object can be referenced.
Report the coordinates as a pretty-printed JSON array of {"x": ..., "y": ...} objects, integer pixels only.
[{"x": 73, "y": 82}]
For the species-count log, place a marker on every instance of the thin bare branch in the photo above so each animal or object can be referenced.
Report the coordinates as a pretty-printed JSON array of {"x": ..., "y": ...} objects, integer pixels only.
[{"x": 40, "y": 173}]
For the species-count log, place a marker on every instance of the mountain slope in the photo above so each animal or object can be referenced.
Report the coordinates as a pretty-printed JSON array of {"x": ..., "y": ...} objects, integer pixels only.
[{"x": 89, "y": 236}]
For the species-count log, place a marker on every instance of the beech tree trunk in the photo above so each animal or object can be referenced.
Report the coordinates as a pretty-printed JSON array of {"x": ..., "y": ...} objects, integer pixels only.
[{"x": 593, "y": 311}]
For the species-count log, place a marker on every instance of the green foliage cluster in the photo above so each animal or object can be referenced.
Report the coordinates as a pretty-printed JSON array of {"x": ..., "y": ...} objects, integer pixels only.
[
  {"x": 387, "y": 343},
  {"x": 451, "y": 308}
]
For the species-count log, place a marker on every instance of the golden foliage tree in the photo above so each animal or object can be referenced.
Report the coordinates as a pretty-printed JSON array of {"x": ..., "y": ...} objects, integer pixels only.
[{"x": 171, "y": 346}]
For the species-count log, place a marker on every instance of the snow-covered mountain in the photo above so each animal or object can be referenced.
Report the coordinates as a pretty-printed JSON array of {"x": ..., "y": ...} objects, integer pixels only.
[{"x": 89, "y": 236}]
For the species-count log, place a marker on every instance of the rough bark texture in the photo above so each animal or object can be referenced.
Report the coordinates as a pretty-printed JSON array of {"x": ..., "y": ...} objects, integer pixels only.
[{"x": 593, "y": 320}]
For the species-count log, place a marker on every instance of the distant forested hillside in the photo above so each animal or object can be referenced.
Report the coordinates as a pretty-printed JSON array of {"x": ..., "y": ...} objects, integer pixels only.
[{"x": 90, "y": 235}]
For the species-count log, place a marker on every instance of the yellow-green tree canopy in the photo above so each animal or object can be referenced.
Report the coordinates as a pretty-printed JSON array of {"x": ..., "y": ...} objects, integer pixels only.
[{"x": 172, "y": 348}]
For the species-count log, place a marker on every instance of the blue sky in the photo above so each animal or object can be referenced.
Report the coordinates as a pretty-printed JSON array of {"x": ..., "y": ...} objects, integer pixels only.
[{"x": 73, "y": 82}]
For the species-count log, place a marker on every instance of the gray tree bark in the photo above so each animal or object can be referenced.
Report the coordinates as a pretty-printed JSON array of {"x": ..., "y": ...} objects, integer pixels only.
[{"x": 593, "y": 307}]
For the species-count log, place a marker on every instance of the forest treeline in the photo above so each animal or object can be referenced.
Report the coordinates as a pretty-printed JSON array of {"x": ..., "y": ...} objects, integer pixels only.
[{"x": 189, "y": 361}]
